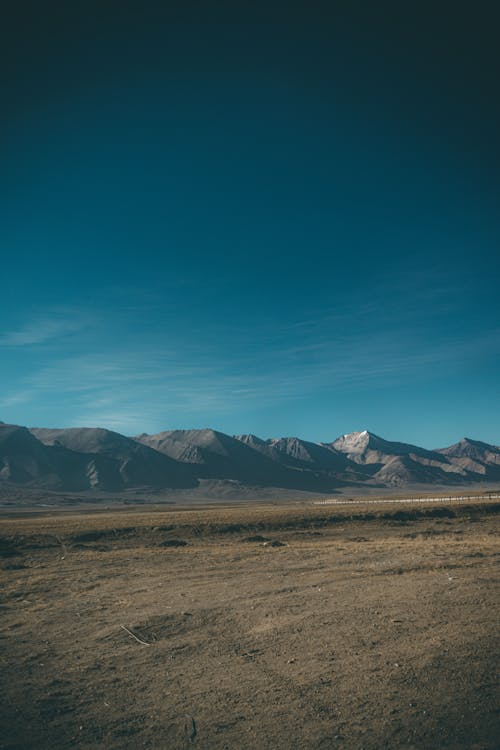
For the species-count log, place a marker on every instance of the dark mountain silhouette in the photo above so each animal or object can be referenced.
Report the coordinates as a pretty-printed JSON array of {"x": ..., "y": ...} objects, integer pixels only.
[{"x": 78, "y": 459}]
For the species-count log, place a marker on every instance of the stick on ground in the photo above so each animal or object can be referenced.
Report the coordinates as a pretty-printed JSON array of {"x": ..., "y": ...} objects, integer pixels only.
[{"x": 139, "y": 640}]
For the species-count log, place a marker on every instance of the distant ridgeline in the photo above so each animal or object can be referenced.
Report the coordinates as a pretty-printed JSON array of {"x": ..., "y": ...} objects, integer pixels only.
[{"x": 79, "y": 459}]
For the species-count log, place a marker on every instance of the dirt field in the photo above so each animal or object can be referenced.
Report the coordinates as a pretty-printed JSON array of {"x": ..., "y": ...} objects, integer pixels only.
[{"x": 261, "y": 628}]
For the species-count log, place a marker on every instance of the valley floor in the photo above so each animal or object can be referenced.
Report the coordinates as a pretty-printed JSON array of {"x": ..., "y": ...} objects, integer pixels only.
[{"x": 255, "y": 627}]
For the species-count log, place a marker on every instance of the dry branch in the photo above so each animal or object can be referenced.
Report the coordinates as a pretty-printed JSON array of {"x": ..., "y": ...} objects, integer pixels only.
[{"x": 139, "y": 640}]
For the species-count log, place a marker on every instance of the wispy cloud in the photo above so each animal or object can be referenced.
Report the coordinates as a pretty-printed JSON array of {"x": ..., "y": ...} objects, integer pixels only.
[
  {"x": 131, "y": 377},
  {"x": 15, "y": 399},
  {"x": 43, "y": 329},
  {"x": 125, "y": 421},
  {"x": 147, "y": 389}
]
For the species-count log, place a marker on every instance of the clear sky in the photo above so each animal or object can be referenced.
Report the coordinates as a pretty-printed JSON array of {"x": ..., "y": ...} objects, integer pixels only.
[{"x": 278, "y": 218}]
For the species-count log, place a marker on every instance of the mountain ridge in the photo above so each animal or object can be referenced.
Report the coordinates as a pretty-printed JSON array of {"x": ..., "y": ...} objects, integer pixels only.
[{"x": 86, "y": 458}]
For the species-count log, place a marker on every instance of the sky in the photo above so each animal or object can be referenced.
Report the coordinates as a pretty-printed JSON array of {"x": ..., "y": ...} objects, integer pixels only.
[{"x": 276, "y": 218}]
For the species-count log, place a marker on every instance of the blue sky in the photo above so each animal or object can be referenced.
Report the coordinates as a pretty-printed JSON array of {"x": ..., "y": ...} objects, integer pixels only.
[{"x": 279, "y": 224}]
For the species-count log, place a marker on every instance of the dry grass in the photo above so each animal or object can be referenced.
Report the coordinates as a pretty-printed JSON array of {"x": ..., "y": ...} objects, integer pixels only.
[{"x": 366, "y": 629}]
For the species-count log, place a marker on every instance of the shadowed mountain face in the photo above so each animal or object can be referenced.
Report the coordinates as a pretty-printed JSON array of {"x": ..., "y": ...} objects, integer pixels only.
[
  {"x": 79, "y": 459},
  {"x": 219, "y": 456},
  {"x": 25, "y": 460},
  {"x": 396, "y": 463},
  {"x": 293, "y": 452},
  {"x": 474, "y": 456},
  {"x": 116, "y": 462}
]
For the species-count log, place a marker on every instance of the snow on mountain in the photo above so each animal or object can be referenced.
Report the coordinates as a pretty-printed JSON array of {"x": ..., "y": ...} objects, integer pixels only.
[{"x": 95, "y": 458}]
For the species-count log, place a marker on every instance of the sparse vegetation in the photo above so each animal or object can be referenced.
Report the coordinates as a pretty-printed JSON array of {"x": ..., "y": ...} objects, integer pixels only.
[{"x": 350, "y": 628}]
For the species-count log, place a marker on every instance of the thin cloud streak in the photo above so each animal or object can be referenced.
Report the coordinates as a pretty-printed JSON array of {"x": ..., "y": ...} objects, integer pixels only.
[
  {"x": 133, "y": 391},
  {"x": 42, "y": 330},
  {"x": 22, "y": 397}
]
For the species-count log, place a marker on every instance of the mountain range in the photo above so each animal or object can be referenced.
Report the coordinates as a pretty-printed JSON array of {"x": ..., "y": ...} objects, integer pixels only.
[{"x": 83, "y": 458}]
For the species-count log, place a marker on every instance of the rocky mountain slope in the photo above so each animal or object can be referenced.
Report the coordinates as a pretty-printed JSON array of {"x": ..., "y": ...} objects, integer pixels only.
[
  {"x": 215, "y": 455},
  {"x": 475, "y": 457},
  {"x": 78, "y": 459},
  {"x": 84, "y": 458},
  {"x": 396, "y": 463},
  {"x": 24, "y": 460}
]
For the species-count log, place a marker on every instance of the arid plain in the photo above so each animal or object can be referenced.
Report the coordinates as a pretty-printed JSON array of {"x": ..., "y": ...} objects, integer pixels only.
[{"x": 258, "y": 626}]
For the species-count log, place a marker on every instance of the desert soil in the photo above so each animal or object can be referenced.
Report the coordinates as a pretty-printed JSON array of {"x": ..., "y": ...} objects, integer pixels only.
[{"x": 353, "y": 630}]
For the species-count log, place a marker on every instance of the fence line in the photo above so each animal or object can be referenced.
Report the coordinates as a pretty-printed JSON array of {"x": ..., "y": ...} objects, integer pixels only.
[{"x": 347, "y": 501}]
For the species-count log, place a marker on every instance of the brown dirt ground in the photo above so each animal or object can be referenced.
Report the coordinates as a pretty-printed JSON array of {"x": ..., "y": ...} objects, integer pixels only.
[{"x": 364, "y": 630}]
